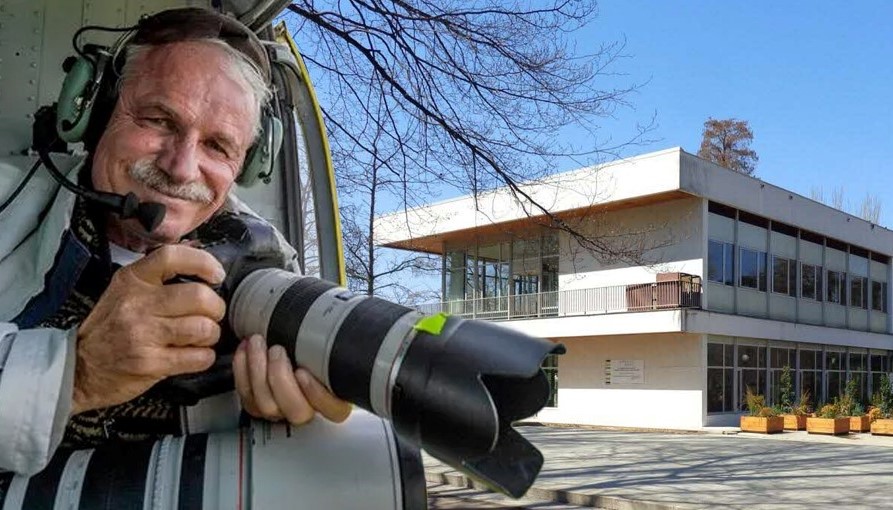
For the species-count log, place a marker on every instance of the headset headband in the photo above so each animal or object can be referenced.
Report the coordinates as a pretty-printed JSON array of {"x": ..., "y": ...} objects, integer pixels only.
[{"x": 194, "y": 23}]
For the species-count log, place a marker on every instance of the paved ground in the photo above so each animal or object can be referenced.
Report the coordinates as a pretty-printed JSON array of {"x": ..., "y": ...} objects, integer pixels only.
[
  {"x": 628, "y": 470},
  {"x": 443, "y": 497}
]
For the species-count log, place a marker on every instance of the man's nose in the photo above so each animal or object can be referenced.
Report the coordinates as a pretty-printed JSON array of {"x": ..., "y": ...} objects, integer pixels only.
[{"x": 179, "y": 159}]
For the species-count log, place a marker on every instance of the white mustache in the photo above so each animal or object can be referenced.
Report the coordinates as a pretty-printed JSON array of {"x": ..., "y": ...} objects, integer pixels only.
[{"x": 145, "y": 172}]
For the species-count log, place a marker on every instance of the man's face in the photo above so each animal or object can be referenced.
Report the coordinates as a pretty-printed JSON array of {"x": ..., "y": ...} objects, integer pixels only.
[{"x": 178, "y": 136}]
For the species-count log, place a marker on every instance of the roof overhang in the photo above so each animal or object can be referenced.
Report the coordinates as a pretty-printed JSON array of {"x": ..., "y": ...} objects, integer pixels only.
[{"x": 522, "y": 227}]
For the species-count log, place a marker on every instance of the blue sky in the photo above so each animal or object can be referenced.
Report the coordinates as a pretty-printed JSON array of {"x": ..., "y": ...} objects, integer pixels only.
[{"x": 814, "y": 79}]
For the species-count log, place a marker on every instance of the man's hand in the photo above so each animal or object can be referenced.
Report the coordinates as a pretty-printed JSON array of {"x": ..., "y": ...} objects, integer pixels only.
[
  {"x": 269, "y": 388},
  {"x": 142, "y": 330}
]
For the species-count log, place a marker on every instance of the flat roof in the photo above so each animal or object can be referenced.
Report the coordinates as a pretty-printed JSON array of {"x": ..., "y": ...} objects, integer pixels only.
[{"x": 648, "y": 178}]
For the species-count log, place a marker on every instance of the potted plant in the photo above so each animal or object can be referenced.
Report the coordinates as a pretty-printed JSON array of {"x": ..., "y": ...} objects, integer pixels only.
[
  {"x": 859, "y": 421},
  {"x": 883, "y": 403},
  {"x": 829, "y": 420},
  {"x": 761, "y": 418},
  {"x": 793, "y": 413}
]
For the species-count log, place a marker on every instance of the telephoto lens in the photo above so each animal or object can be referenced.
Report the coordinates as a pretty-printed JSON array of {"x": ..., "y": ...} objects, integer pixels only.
[{"x": 452, "y": 386}]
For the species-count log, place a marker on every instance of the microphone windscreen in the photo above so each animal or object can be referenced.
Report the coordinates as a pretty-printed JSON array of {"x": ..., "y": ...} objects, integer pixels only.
[{"x": 150, "y": 215}]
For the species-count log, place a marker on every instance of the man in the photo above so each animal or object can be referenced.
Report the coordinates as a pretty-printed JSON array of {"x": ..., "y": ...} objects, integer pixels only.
[{"x": 91, "y": 325}]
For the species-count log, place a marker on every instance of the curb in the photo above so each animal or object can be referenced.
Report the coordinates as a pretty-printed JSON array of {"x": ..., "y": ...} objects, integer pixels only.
[{"x": 460, "y": 480}]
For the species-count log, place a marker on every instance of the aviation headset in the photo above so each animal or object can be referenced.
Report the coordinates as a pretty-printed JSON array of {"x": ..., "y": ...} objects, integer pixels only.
[{"x": 90, "y": 89}]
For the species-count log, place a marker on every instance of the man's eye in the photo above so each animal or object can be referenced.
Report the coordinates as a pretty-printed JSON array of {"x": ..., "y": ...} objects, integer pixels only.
[
  {"x": 160, "y": 122},
  {"x": 217, "y": 147}
]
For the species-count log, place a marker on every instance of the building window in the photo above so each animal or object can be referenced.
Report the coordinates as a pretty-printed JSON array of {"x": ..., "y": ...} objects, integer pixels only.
[
  {"x": 879, "y": 296},
  {"x": 550, "y": 368},
  {"x": 721, "y": 262},
  {"x": 753, "y": 269},
  {"x": 720, "y": 368},
  {"x": 859, "y": 292},
  {"x": 836, "y": 287},
  {"x": 811, "y": 282},
  {"x": 811, "y": 374},
  {"x": 780, "y": 357},
  {"x": 879, "y": 365},
  {"x": 751, "y": 372},
  {"x": 858, "y": 370},
  {"x": 784, "y": 276},
  {"x": 835, "y": 369}
]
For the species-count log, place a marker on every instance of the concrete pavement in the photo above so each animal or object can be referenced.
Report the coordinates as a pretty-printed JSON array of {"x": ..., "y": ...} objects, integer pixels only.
[{"x": 658, "y": 471}]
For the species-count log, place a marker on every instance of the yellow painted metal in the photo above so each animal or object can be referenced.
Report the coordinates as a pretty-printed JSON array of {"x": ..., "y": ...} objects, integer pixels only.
[{"x": 283, "y": 36}]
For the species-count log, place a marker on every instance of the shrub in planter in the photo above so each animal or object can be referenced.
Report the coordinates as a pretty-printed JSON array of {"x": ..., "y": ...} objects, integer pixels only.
[
  {"x": 762, "y": 418},
  {"x": 829, "y": 420},
  {"x": 794, "y": 413},
  {"x": 850, "y": 407},
  {"x": 883, "y": 400}
]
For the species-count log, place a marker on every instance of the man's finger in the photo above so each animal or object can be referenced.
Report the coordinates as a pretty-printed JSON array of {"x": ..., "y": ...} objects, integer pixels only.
[
  {"x": 182, "y": 299},
  {"x": 177, "y": 259},
  {"x": 292, "y": 404},
  {"x": 243, "y": 383},
  {"x": 192, "y": 331},
  {"x": 257, "y": 377},
  {"x": 330, "y": 406},
  {"x": 186, "y": 360}
]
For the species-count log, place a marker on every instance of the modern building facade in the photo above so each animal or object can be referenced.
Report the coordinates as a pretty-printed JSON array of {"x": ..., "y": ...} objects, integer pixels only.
[{"x": 675, "y": 285}]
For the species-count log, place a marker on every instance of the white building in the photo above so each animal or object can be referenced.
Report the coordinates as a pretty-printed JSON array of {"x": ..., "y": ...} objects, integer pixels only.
[{"x": 740, "y": 279}]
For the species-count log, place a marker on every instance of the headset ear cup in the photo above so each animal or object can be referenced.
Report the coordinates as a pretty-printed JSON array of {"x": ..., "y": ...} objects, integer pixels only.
[
  {"x": 261, "y": 157},
  {"x": 71, "y": 119}
]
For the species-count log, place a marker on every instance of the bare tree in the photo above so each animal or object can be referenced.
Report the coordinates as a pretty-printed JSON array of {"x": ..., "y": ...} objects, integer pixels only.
[
  {"x": 871, "y": 208},
  {"x": 838, "y": 198},
  {"x": 726, "y": 142},
  {"x": 472, "y": 93},
  {"x": 817, "y": 193},
  {"x": 366, "y": 184}
]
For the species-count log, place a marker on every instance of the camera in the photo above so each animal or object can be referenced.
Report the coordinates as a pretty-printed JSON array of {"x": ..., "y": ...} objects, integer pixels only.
[{"x": 451, "y": 386}]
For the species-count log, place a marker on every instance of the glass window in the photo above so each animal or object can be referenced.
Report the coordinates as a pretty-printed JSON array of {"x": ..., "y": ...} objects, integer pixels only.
[
  {"x": 879, "y": 296},
  {"x": 721, "y": 262},
  {"x": 715, "y": 261},
  {"x": 858, "y": 292},
  {"x": 753, "y": 269},
  {"x": 836, "y": 287},
  {"x": 751, "y": 356},
  {"x": 720, "y": 370},
  {"x": 807, "y": 360},
  {"x": 454, "y": 284},
  {"x": 784, "y": 276},
  {"x": 550, "y": 368},
  {"x": 782, "y": 357},
  {"x": 811, "y": 282},
  {"x": 857, "y": 361},
  {"x": 835, "y": 367}
]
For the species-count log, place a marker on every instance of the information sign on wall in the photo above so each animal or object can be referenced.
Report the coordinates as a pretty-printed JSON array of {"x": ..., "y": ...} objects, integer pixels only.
[{"x": 624, "y": 371}]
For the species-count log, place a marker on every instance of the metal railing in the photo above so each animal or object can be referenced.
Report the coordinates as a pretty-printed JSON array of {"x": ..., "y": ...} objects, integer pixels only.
[{"x": 596, "y": 301}]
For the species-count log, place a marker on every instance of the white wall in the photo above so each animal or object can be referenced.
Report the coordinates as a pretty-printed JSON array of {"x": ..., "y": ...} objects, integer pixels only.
[
  {"x": 672, "y": 229},
  {"x": 671, "y": 396}
]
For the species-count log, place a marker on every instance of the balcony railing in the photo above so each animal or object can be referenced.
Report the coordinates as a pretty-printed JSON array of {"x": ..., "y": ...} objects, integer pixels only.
[{"x": 666, "y": 295}]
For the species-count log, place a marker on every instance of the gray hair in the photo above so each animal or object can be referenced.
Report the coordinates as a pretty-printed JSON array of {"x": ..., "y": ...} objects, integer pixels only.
[{"x": 237, "y": 66}]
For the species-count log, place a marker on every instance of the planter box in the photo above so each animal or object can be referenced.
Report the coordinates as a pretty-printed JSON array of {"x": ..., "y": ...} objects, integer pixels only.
[
  {"x": 794, "y": 422},
  {"x": 762, "y": 425},
  {"x": 831, "y": 426},
  {"x": 882, "y": 428},
  {"x": 860, "y": 423}
]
